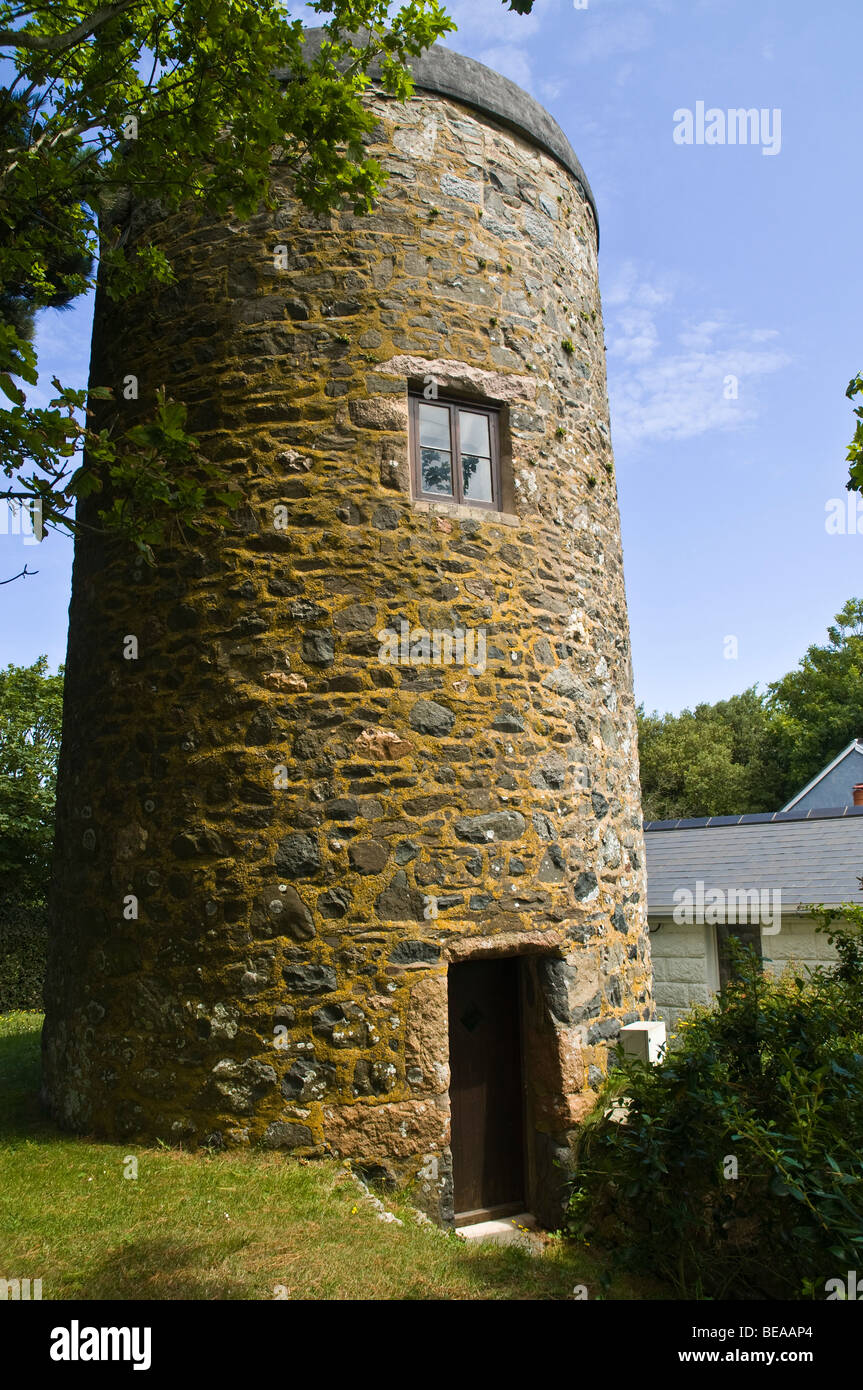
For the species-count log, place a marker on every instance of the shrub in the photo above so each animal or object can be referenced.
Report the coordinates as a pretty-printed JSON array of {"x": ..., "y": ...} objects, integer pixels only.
[
  {"x": 31, "y": 707},
  {"x": 735, "y": 1171},
  {"x": 23, "y": 939}
]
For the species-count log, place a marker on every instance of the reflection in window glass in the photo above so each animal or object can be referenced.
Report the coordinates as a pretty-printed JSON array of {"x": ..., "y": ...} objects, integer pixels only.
[
  {"x": 473, "y": 430},
  {"x": 475, "y": 457},
  {"x": 436, "y": 471},
  {"x": 476, "y": 473},
  {"x": 434, "y": 427}
]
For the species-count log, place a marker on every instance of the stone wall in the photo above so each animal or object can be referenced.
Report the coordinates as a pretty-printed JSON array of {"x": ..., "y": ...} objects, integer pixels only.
[{"x": 312, "y": 835}]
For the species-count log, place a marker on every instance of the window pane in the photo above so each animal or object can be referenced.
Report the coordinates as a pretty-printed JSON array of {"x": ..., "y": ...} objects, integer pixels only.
[
  {"x": 473, "y": 431},
  {"x": 436, "y": 471},
  {"x": 434, "y": 426},
  {"x": 476, "y": 472}
]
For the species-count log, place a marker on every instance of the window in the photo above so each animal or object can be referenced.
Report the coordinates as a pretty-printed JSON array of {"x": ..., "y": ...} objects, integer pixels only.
[{"x": 455, "y": 452}]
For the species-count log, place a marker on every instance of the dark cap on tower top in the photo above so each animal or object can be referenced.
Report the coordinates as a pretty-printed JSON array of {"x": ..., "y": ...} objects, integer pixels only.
[{"x": 453, "y": 75}]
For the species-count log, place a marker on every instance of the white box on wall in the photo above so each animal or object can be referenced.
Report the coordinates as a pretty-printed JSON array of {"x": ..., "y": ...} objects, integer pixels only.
[{"x": 644, "y": 1040}]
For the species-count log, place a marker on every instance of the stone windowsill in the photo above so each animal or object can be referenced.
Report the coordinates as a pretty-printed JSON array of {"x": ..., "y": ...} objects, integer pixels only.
[{"x": 465, "y": 512}]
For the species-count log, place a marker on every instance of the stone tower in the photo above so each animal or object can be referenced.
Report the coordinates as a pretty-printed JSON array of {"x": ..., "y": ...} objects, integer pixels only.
[{"x": 349, "y": 855}]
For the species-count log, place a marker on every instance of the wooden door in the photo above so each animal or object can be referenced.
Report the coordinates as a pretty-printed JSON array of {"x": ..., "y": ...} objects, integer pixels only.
[{"x": 486, "y": 1088}]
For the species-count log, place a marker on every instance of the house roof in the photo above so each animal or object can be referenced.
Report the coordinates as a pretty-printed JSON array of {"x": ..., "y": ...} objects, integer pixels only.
[
  {"x": 855, "y": 746},
  {"x": 812, "y": 857}
]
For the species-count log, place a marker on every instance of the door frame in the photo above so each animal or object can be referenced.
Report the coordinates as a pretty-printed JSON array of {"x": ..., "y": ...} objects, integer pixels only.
[
  {"x": 545, "y": 1121},
  {"x": 467, "y": 1218}
]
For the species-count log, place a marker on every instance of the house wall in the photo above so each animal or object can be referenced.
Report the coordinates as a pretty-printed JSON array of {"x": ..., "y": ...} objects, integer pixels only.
[
  {"x": 685, "y": 967},
  {"x": 837, "y": 788},
  {"x": 797, "y": 943}
]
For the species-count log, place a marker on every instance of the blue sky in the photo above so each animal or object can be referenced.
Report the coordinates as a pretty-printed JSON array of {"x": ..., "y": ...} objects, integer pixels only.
[{"x": 717, "y": 261}]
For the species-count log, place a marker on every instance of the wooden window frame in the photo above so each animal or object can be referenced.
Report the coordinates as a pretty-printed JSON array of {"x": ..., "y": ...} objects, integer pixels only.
[{"x": 454, "y": 405}]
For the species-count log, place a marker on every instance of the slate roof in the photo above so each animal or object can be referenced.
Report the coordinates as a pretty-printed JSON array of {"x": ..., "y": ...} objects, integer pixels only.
[{"x": 813, "y": 857}]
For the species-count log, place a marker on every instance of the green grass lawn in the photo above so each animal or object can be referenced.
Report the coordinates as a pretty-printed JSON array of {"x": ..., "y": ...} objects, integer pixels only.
[{"x": 232, "y": 1225}]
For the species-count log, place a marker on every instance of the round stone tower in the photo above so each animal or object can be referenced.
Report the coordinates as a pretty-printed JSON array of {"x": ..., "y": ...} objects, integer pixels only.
[{"x": 349, "y": 850}]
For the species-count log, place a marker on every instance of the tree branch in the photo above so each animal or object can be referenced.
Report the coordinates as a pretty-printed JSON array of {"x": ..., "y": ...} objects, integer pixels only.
[
  {"x": 24, "y": 574},
  {"x": 58, "y": 43}
]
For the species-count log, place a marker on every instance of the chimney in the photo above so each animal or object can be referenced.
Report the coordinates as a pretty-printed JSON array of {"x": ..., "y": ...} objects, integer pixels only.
[{"x": 858, "y": 794}]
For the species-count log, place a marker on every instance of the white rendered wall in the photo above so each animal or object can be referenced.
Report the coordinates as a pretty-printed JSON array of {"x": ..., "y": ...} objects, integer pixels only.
[
  {"x": 796, "y": 943},
  {"x": 685, "y": 968}
]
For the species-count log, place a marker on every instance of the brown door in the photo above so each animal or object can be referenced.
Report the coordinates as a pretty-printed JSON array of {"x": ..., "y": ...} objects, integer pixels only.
[{"x": 485, "y": 1088}]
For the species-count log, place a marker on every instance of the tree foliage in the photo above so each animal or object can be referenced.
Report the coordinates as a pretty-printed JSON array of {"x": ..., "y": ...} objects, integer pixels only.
[
  {"x": 169, "y": 103},
  {"x": 855, "y": 448},
  {"x": 754, "y": 751},
  {"x": 737, "y": 1172},
  {"x": 722, "y": 759},
  {"x": 818, "y": 708},
  {"x": 31, "y": 707}
]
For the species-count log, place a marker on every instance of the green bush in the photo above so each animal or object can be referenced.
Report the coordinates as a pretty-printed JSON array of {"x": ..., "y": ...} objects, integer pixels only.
[
  {"x": 733, "y": 1169},
  {"x": 23, "y": 940},
  {"x": 31, "y": 713}
]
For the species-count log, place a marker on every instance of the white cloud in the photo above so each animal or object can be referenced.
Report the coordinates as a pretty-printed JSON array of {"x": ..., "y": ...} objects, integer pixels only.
[
  {"x": 628, "y": 288},
  {"x": 495, "y": 35},
  {"x": 700, "y": 335},
  {"x": 510, "y": 62},
  {"x": 551, "y": 90},
  {"x": 597, "y": 34},
  {"x": 479, "y": 20},
  {"x": 707, "y": 380}
]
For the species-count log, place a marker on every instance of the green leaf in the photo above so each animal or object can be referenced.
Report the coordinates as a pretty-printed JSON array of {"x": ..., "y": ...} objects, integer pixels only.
[{"x": 8, "y": 387}]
